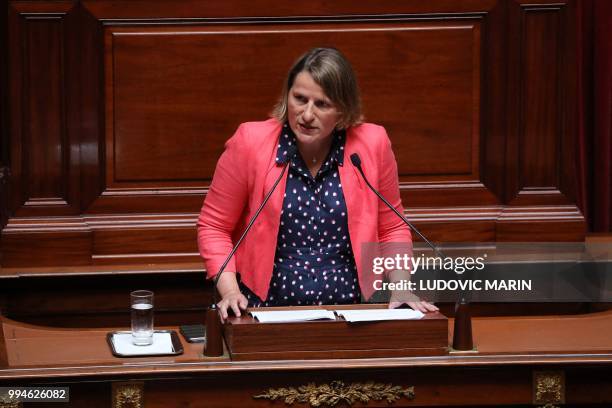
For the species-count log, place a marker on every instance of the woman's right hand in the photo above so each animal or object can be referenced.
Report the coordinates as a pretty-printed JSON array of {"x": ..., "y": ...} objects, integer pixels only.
[{"x": 233, "y": 300}]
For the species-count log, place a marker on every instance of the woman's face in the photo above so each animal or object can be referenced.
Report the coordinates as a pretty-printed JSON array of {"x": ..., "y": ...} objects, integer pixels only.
[{"x": 312, "y": 115}]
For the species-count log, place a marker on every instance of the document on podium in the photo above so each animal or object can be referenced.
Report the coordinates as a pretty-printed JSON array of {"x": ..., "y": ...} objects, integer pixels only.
[
  {"x": 375, "y": 315},
  {"x": 284, "y": 316}
]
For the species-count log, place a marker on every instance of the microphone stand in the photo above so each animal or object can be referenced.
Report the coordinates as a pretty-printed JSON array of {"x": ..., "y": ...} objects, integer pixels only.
[
  {"x": 214, "y": 338},
  {"x": 462, "y": 335}
]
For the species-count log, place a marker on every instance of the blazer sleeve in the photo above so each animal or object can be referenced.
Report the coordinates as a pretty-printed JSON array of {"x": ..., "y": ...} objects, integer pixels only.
[
  {"x": 224, "y": 204},
  {"x": 390, "y": 227}
]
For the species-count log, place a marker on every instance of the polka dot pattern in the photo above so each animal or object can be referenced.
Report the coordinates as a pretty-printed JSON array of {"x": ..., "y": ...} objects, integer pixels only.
[{"x": 314, "y": 263}]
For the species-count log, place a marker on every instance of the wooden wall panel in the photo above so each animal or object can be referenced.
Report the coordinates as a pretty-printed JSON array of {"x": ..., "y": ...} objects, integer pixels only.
[
  {"x": 539, "y": 117},
  {"x": 46, "y": 248},
  {"x": 165, "y": 90},
  {"x": 44, "y": 148},
  {"x": 41, "y": 154},
  {"x": 125, "y": 245},
  {"x": 423, "y": 86},
  {"x": 119, "y": 111},
  {"x": 542, "y": 136},
  {"x": 91, "y": 113}
]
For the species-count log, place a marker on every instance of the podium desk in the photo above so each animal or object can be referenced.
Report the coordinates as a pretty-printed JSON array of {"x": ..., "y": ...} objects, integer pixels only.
[
  {"x": 248, "y": 339},
  {"x": 520, "y": 360}
]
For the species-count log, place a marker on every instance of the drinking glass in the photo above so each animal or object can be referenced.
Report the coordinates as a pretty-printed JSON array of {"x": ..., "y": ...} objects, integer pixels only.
[{"x": 142, "y": 317}]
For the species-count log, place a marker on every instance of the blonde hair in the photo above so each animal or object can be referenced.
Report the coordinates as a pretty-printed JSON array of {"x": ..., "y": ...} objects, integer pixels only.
[{"x": 334, "y": 74}]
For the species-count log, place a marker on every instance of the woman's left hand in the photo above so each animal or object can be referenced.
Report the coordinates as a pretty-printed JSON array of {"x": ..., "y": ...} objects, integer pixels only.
[
  {"x": 421, "y": 306},
  {"x": 401, "y": 297}
]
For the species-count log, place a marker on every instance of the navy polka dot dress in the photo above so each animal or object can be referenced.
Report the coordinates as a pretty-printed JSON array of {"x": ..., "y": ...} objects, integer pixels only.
[{"x": 314, "y": 263}]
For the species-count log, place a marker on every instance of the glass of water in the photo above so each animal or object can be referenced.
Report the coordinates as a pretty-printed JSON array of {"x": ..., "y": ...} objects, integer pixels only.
[{"x": 142, "y": 317}]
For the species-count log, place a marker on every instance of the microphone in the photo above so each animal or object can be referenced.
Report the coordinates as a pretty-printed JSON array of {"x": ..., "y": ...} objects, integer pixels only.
[
  {"x": 214, "y": 343},
  {"x": 356, "y": 160},
  {"x": 462, "y": 338}
]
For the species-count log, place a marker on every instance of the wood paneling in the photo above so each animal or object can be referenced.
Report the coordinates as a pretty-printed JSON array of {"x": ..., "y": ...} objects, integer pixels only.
[
  {"x": 102, "y": 298},
  {"x": 100, "y": 240},
  {"x": 41, "y": 153},
  {"x": 165, "y": 90},
  {"x": 114, "y": 10},
  {"x": 44, "y": 149},
  {"x": 90, "y": 74},
  {"x": 46, "y": 248},
  {"x": 119, "y": 111},
  {"x": 434, "y": 122},
  {"x": 540, "y": 118},
  {"x": 542, "y": 135},
  {"x": 112, "y": 245}
]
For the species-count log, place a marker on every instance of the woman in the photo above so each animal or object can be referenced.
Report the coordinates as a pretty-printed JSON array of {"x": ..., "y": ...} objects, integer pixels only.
[{"x": 305, "y": 247}]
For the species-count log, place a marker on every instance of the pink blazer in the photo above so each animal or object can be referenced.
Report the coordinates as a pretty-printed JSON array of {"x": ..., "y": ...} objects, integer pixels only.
[{"x": 245, "y": 173}]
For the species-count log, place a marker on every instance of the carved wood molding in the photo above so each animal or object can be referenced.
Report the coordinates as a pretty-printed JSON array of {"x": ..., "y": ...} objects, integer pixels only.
[
  {"x": 187, "y": 220},
  {"x": 117, "y": 239},
  {"x": 337, "y": 392},
  {"x": 107, "y": 11}
]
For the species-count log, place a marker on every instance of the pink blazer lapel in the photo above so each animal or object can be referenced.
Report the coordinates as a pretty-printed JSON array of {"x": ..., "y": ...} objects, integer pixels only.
[
  {"x": 271, "y": 213},
  {"x": 272, "y": 210},
  {"x": 352, "y": 185}
]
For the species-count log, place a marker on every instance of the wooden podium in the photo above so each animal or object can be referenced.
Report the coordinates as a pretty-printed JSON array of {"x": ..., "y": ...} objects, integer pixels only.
[
  {"x": 248, "y": 339},
  {"x": 520, "y": 361}
]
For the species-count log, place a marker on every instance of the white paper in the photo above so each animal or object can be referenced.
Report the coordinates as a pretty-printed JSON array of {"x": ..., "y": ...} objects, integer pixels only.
[
  {"x": 162, "y": 344},
  {"x": 283, "y": 316},
  {"x": 374, "y": 315}
]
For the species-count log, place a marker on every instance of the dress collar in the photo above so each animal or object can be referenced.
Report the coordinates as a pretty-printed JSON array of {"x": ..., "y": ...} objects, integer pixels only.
[{"x": 287, "y": 139}]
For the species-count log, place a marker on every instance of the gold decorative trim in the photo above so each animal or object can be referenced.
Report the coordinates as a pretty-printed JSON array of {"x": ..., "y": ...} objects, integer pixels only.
[
  {"x": 548, "y": 388},
  {"x": 128, "y": 395},
  {"x": 336, "y": 392},
  {"x": 6, "y": 402}
]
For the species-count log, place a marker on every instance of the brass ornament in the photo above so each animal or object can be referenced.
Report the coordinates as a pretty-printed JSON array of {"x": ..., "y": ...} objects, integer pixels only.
[
  {"x": 336, "y": 392},
  {"x": 548, "y": 388},
  {"x": 6, "y": 402},
  {"x": 128, "y": 395}
]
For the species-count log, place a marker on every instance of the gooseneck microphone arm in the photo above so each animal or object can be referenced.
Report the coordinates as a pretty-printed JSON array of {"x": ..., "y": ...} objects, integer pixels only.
[
  {"x": 357, "y": 163},
  {"x": 214, "y": 336},
  {"x": 462, "y": 335}
]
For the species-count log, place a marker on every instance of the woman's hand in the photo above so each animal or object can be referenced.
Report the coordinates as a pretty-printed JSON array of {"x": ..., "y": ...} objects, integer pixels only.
[
  {"x": 233, "y": 300},
  {"x": 231, "y": 297},
  {"x": 399, "y": 297},
  {"x": 421, "y": 306}
]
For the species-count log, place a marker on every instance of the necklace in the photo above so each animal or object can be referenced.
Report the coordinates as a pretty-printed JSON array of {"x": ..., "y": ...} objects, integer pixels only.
[{"x": 314, "y": 160}]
